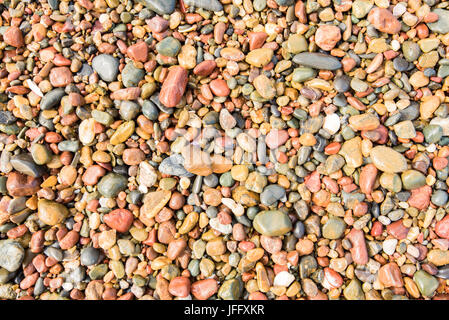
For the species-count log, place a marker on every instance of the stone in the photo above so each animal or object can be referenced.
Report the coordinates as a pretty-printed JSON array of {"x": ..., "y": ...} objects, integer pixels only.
[
  {"x": 60, "y": 77},
  {"x": 131, "y": 76},
  {"x": 365, "y": 121},
  {"x": 427, "y": 284},
  {"x": 173, "y": 87},
  {"x": 367, "y": 178},
  {"x": 383, "y": 20},
  {"x": 276, "y": 138},
  {"x": 197, "y": 161},
  {"x": 259, "y": 57},
  {"x": 112, "y": 184},
  {"x": 388, "y": 160},
  {"x": 13, "y": 37},
  {"x": 438, "y": 257},
  {"x": 264, "y": 87},
  {"x": 442, "y": 227},
  {"x": 442, "y": 24},
  {"x": 353, "y": 291},
  {"x": 19, "y": 185},
  {"x": 405, "y": 129},
  {"x": 119, "y": 219},
  {"x": 160, "y": 6},
  {"x": 390, "y": 275},
  {"x": 412, "y": 179},
  {"x": 153, "y": 202},
  {"x": 230, "y": 290},
  {"x": 169, "y": 47},
  {"x": 11, "y": 255},
  {"x": 334, "y": 228},
  {"x": 317, "y": 60},
  {"x": 271, "y": 194},
  {"x": 351, "y": 150},
  {"x": 272, "y": 223},
  {"x": 51, "y": 212},
  {"x": 327, "y": 36},
  {"x": 106, "y": 66}
]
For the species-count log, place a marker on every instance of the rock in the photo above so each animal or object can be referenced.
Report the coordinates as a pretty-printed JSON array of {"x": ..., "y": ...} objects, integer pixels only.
[
  {"x": 264, "y": 87},
  {"x": 283, "y": 279},
  {"x": 89, "y": 256},
  {"x": 388, "y": 160},
  {"x": 169, "y": 47},
  {"x": 123, "y": 132},
  {"x": 106, "y": 66},
  {"x": 420, "y": 197},
  {"x": 442, "y": 227},
  {"x": 131, "y": 76},
  {"x": 432, "y": 133},
  {"x": 442, "y": 24},
  {"x": 334, "y": 228},
  {"x": 112, "y": 184},
  {"x": 367, "y": 178},
  {"x": 126, "y": 94},
  {"x": 173, "y": 87},
  {"x": 412, "y": 179},
  {"x": 230, "y": 290},
  {"x": 205, "y": 68},
  {"x": 204, "y": 289},
  {"x": 255, "y": 182},
  {"x": 317, "y": 60},
  {"x": 332, "y": 123},
  {"x": 25, "y": 164},
  {"x": 51, "y": 212},
  {"x": 327, "y": 36},
  {"x": 351, "y": 150},
  {"x": 211, "y": 5},
  {"x": 272, "y": 223},
  {"x": 397, "y": 230},
  {"x": 11, "y": 255},
  {"x": 174, "y": 165},
  {"x": 6, "y": 117},
  {"x": 405, "y": 130},
  {"x": 365, "y": 121},
  {"x": 428, "y": 106},
  {"x": 438, "y": 257},
  {"x": 147, "y": 174},
  {"x": 389, "y": 246},
  {"x": 60, "y": 77},
  {"x": 333, "y": 163},
  {"x": 227, "y": 121},
  {"x": 138, "y": 51},
  {"x": 219, "y": 87},
  {"x": 13, "y": 37},
  {"x": 390, "y": 275},
  {"x": 296, "y": 43},
  {"x": 276, "y": 138},
  {"x": 197, "y": 161},
  {"x": 426, "y": 283},
  {"x": 358, "y": 251},
  {"x": 256, "y": 39},
  {"x": 353, "y": 291},
  {"x": 259, "y": 57},
  {"x": 271, "y": 194},
  {"x": 19, "y": 185},
  {"x": 383, "y": 20},
  {"x": 187, "y": 57},
  {"x": 160, "y": 6},
  {"x": 119, "y": 219},
  {"x": 153, "y": 202},
  {"x": 52, "y": 99},
  {"x": 246, "y": 142},
  {"x": 302, "y": 74},
  {"x": 411, "y": 51}
]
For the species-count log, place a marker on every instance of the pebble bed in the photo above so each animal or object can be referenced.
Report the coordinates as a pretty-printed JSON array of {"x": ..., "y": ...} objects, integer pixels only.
[{"x": 224, "y": 149}]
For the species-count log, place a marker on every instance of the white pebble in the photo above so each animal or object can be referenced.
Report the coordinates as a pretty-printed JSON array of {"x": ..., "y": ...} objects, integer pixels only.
[
  {"x": 332, "y": 123},
  {"x": 283, "y": 279},
  {"x": 389, "y": 246}
]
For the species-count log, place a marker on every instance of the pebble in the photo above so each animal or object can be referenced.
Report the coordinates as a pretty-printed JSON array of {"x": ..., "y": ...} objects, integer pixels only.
[
  {"x": 272, "y": 223},
  {"x": 388, "y": 160}
]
